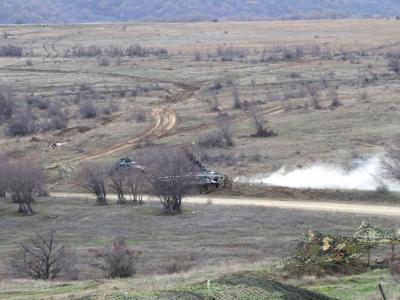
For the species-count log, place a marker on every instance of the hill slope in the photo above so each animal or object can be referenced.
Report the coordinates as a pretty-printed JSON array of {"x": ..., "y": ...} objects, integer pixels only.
[{"x": 69, "y": 11}]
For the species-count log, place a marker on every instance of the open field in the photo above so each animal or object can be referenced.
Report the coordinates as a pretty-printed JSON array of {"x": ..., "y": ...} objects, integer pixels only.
[
  {"x": 104, "y": 91},
  {"x": 177, "y": 88},
  {"x": 206, "y": 241}
]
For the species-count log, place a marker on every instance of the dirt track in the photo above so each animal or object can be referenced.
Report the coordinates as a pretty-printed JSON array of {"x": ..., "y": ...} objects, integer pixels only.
[{"x": 356, "y": 208}]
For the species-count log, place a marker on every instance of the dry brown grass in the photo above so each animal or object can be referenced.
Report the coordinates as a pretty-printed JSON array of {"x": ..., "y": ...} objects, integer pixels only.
[{"x": 358, "y": 49}]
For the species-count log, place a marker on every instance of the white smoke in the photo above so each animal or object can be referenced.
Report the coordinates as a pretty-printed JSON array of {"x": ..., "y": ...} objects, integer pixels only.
[{"x": 364, "y": 175}]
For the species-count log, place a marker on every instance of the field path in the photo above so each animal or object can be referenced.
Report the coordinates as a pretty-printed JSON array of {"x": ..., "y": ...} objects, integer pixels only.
[
  {"x": 164, "y": 121},
  {"x": 340, "y": 207}
]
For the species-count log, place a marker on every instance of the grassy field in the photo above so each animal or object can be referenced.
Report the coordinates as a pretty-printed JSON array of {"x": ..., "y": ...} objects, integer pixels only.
[
  {"x": 351, "y": 58},
  {"x": 206, "y": 241},
  {"x": 172, "y": 100}
]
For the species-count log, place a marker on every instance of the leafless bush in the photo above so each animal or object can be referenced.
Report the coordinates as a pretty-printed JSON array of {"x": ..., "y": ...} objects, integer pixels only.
[
  {"x": 11, "y": 51},
  {"x": 237, "y": 103},
  {"x": 315, "y": 96},
  {"x": 230, "y": 53},
  {"x": 91, "y": 51},
  {"x": 88, "y": 110},
  {"x": 259, "y": 121},
  {"x": 212, "y": 140},
  {"x": 197, "y": 56},
  {"x": 114, "y": 51},
  {"x": 118, "y": 261},
  {"x": 391, "y": 161},
  {"x": 23, "y": 123},
  {"x": 37, "y": 101},
  {"x": 59, "y": 119},
  {"x": 43, "y": 257},
  {"x": 139, "y": 51},
  {"x": 394, "y": 65},
  {"x": 103, "y": 61},
  {"x": 119, "y": 183},
  {"x": 24, "y": 182},
  {"x": 7, "y": 104},
  {"x": 334, "y": 98},
  {"x": 3, "y": 175},
  {"x": 93, "y": 178},
  {"x": 214, "y": 103},
  {"x": 169, "y": 178},
  {"x": 140, "y": 115},
  {"x": 225, "y": 128},
  {"x": 111, "y": 108}
]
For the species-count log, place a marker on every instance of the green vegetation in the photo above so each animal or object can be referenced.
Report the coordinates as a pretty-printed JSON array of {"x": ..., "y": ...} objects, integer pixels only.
[{"x": 364, "y": 286}]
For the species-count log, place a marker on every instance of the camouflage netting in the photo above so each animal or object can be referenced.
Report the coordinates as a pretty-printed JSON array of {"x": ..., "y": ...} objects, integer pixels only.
[
  {"x": 373, "y": 234},
  {"x": 328, "y": 250},
  {"x": 319, "y": 248}
]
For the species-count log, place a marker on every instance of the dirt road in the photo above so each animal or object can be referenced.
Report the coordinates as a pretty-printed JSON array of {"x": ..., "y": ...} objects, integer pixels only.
[{"x": 356, "y": 208}]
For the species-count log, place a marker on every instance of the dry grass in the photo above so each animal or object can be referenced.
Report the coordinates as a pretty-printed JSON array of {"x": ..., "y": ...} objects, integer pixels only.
[
  {"x": 206, "y": 235},
  {"x": 358, "y": 51}
]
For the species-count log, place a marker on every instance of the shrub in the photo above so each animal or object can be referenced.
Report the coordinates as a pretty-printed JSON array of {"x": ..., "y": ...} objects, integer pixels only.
[
  {"x": 43, "y": 257},
  {"x": 103, "y": 61},
  {"x": 11, "y": 51},
  {"x": 87, "y": 110},
  {"x": 168, "y": 176},
  {"x": 93, "y": 178},
  {"x": 58, "y": 119},
  {"x": 37, "y": 101},
  {"x": 212, "y": 140},
  {"x": 22, "y": 124},
  {"x": 394, "y": 65},
  {"x": 24, "y": 182},
  {"x": 7, "y": 104},
  {"x": 118, "y": 261}
]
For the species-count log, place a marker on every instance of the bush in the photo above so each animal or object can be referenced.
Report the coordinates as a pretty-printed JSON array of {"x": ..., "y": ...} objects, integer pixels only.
[
  {"x": 37, "y": 101},
  {"x": 103, "y": 61},
  {"x": 93, "y": 178},
  {"x": 87, "y": 110},
  {"x": 24, "y": 182},
  {"x": 43, "y": 257},
  {"x": 7, "y": 104},
  {"x": 58, "y": 119},
  {"x": 22, "y": 124},
  {"x": 11, "y": 51},
  {"x": 168, "y": 177},
  {"x": 212, "y": 140},
  {"x": 118, "y": 261},
  {"x": 394, "y": 65}
]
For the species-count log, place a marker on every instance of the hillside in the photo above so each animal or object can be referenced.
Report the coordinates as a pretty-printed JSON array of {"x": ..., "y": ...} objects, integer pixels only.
[{"x": 65, "y": 11}]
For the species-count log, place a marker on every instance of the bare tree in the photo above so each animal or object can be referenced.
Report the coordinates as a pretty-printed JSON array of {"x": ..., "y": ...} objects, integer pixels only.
[
  {"x": 170, "y": 178},
  {"x": 118, "y": 261},
  {"x": 394, "y": 65},
  {"x": 225, "y": 128},
  {"x": 7, "y": 104},
  {"x": 93, "y": 178},
  {"x": 119, "y": 183},
  {"x": 3, "y": 175},
  {"x": 391, "y": 161},
  {"x": 43, "y": 257},
  {"x": 237, "y": 103},
  {"x": 24, "y": 182},
  {"x": 214, "y": 104},
  {"x": 259, "y": 121},
  {"x": 333, "y": 96},
  {"x": 315, "y": 96},
  {"x": 135, "y": 185}
]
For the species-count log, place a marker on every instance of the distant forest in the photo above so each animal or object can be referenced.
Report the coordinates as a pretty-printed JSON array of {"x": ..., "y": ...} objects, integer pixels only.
[{"x": 73, "y": 11}]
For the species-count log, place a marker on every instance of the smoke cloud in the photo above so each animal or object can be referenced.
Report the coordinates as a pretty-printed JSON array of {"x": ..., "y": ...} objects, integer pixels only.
[{"x": 363, "y": 175}]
